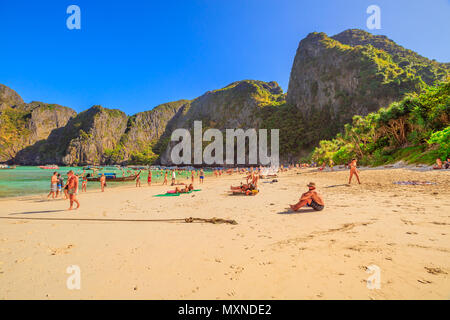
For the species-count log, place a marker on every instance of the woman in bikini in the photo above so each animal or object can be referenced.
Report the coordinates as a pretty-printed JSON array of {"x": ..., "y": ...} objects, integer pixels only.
[
  {"x": 138, "y": 179},
  {"x": 149, "y": 178},
  {"x": 353, "y": 171},
  {"x": 84, "y": 182}
]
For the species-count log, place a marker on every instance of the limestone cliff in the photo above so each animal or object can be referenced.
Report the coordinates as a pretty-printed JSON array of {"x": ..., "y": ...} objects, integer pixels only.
[
  {"x": 332, "y": 79},
  {"x": 23, "y": 125},
  {"x": 353, "y": 73}
]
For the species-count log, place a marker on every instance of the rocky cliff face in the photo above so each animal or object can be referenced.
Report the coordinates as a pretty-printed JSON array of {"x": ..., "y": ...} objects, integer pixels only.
[
  {"x": 237, "y": 105},
  {"x": 9, "y": 98},
  {"x": 91, "y": 133},
  {"x": 354, "y": 72},
  {"x": 332, "y": 79},
  {"x": 23, "y": 125}
]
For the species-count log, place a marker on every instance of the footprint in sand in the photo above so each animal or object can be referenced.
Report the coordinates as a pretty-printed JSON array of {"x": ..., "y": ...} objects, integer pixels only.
[
  {"x": 435, "y": 271},
  {"x": 424, "y": 281},
  {"x": 63, "y": 250}
]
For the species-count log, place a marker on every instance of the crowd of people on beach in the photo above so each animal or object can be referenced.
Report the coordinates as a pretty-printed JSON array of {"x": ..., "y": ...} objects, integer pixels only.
[{"x": 69, "y": 188}]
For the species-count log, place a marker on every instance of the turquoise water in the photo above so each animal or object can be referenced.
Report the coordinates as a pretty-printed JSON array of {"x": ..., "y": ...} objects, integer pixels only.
[{"x": 24, "y": 181}]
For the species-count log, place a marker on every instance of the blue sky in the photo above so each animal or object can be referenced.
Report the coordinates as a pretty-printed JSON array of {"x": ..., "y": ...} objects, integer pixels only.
[{"x": 136, "y": 54}]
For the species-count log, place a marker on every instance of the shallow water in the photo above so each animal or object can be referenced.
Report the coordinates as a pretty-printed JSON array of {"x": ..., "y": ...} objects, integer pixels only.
[{"x": 24, "y": 181}]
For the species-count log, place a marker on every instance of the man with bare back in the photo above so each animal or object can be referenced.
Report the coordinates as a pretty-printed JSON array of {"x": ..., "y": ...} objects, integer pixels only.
[
  {"x": 311, "y": 199},
  {"x": 72, "y": 183}
]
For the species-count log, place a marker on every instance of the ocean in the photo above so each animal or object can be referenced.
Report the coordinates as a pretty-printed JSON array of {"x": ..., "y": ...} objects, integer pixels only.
[{"x": 25, "y": 181}]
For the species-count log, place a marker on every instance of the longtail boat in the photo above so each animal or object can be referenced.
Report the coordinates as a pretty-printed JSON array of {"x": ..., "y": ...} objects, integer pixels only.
[
  {"x": 113, "y": 178},
  {"x": 50, "y": 167}
]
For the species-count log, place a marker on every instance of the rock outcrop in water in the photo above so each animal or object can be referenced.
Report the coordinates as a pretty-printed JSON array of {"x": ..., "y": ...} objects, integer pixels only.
[{"x": 332, "y": 79}]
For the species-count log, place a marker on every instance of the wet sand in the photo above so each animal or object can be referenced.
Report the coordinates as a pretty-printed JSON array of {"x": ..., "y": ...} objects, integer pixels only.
[{"x": 126, "y": 248}]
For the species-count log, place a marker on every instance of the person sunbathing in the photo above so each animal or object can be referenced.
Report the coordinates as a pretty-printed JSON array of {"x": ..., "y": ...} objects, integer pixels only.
[
  {"x": 186, "y": 189},
  {"x": 311, "y": 199},
  {"x": 438, "y": 164},
  {"x": 242, "y": 187}
]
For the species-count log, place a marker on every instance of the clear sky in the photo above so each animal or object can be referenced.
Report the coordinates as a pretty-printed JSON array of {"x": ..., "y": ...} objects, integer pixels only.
[{"x": 136, "y": 54}]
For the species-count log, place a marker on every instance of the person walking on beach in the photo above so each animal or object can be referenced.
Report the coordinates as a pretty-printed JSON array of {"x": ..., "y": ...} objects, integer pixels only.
[
  {"x": 84, "y": 182},
  {"x": 174, "y": 175},
  {"x": 72, "y": 183},
  {"x": 149, "y": 178},
  {"x": 138, "y": 179},
  {"x": 103, "y": 182},
  {"x": 60, "y": 185},
  {"x": 202, "y": 176},
  {"x": 53, "y": 185},
  {"x": 165, "y": 178},
  {"x": 353, "y": 171},
  {"x": 192, "y": 176},
  {"x": 311, "y": 199}
]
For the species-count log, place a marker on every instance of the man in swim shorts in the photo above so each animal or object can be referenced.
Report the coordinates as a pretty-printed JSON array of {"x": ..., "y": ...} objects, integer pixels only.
[
  {"x": 149, "y": 178},
  {"x": 202, "y": 176},
  {"x": 311, "y": 199},
  {"x": 53, "y": 185},
  {"x": 60, "y": 185},
  {"x": 72, "y": 184}
]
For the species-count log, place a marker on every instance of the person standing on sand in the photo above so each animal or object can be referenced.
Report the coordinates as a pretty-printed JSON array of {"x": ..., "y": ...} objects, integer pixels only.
[
  {"x": 60, "y": 185},
  {"x": 192, "y": 176},
  {"x": 311, "y": 199},
  {"x": 331, "y": 164},
  {"x": 138, "y": 179},
  {"x": 102, "y": 182},
  {"x": 202, "y": 176},
  {"x": 165, "y": 178},
  {"x": 149, "y": 178},
  {"x": 174, "y": 175},
  {"x": 353, "y": 171},
  {"x": 72, "y": 183},
  {"x": 438, "y": 164},
  {"x": 53, "y": 185},
  {"x": 84, "y": 182}
]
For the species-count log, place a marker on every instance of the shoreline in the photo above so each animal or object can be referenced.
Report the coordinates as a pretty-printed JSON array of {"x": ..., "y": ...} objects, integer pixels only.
[{"x": 338, "y": 168}]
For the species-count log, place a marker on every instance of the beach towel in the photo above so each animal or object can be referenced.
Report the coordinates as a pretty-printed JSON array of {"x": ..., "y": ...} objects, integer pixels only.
[{"x": 172, "y": 193}]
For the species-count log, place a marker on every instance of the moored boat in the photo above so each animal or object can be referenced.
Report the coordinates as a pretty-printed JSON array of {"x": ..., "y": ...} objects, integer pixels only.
[
  {"x": 49, "y": 167},
  {"x": 5, "y": 166},
  {"x": 112, "y": 178}
]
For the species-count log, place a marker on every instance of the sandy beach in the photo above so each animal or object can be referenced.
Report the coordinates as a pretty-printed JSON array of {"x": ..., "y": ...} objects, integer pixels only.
[{"x": 126, "y": 248}]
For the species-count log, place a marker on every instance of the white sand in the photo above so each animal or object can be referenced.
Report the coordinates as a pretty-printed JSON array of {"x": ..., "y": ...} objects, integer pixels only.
[{"x": 405, "y": 230}]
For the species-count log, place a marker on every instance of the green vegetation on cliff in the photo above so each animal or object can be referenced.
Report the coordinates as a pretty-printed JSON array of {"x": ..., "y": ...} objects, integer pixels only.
[{"x": 415, "y": 129}]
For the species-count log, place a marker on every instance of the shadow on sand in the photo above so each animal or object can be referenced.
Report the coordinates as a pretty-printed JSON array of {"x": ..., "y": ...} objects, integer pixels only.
[
  {"x": 338, "y": 185},
  {"x": 289, "y": 211},
  {"x": 33, "y": 212}
]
